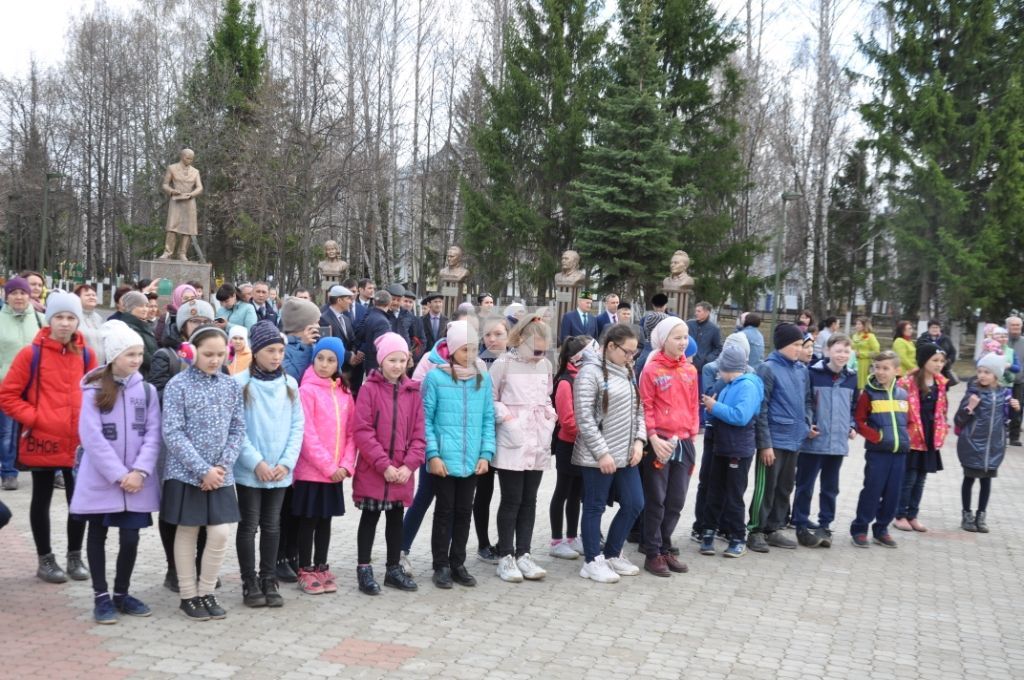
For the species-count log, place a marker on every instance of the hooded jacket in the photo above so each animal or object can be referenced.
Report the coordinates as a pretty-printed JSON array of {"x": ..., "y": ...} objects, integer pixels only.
[
  {"x": 17, "y": 330},
  {"x": 567, "y": 430},
  {"x": 981, "y": 444},
  {"x": 610, "y": 431},
  {"x": 273, "y": 428},
  {"x": 881, "y": 418},
  {"x": 388, "y": 431},
  {"x": 327, "y": 437},
  {"x": 522, "y": 392},
  {"x": 734, "y": 416},
  {"x": 784, "y": 420},
  {"x": 833, "y": 404},
  {"x": 669, "y": 392},
  {"x": 115, "y": 443}
]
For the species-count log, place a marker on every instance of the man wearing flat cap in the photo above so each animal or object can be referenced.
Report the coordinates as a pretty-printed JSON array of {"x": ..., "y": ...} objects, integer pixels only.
[
  {"x": 435, "y": 324},
  {"x": 580, "y": 321}
]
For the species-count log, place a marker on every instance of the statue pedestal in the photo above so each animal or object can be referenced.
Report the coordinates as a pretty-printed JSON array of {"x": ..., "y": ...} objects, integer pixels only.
[
  {"x": 565, "y": 301},
  {"x": 679, "y": 301},
  {"x": 454, "y": 294},
  {"x": 178, "y": 272}
]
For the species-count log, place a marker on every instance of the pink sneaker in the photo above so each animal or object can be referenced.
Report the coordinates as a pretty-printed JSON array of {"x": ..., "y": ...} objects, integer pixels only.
[
  {"x": 902, "y": 524},
  {"x": 327, "y": 579},
  {"x": 309, "y": 582}
]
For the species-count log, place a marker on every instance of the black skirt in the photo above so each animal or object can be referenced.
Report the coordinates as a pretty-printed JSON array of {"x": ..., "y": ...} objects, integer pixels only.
[
  {"x": 924, "y": 461},
  {"x": 190, "y": 506},
  {"x": 126, "y": 519},
  {"x": 318, "y": 499},
  {"x": 978, "y": 473},
  {"x": 563, "y": 459}
]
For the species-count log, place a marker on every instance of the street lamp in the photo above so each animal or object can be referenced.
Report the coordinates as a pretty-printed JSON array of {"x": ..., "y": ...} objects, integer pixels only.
[
  {"x": 46, "y": 217},
  {"x": 786, "y": 196}
]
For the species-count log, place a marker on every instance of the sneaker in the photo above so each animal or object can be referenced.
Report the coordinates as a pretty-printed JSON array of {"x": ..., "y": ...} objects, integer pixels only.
[
  {"x": 656, "y": 565},
  {"x": 812, "y": 526},
  {"x": 824, "y": 535},
  {"x": 309, "y": 583},
  {"x": 395, "y": 577},
  {"x": 103, "y": 611},
  {"x": 917, "y": 526},
  {"x": 488, "y": 555},
  {"x": 966, "y": 523},
  {"x": 736, "y": 548},
  {"x": 508, "y": 571},
  {"x": 886, "y": 540},
  {"x": 327, "y": 579},
  {"x": 10, "y": 484},
  {"x": 126, "y": 604},
  {"x": 979, "y": 522},
  {"x": 171, "y": 580},
  {"x": 903, "y": 524},
  {"x": 577, "y": 545},
  {"x": 49, "y": 571},
  {"x": 193, "y": 609},
  {"x": 269, "y": 587},
  {"x": 530, "y": 570},
  {"x": 777, "y": 539},
  {"x": 563, "y": 550},
  {"x": 860, "y": 540},
  {"x": 76, "y": 567},
  {"x": 285, "y": 573},
  {"x": 252, "y": 594},
  {"x": 695, "y": 536},
  {"x": 442, "y": 578},
  {"x": 213, "y": 607},
  {"x": 405, "y": 564},
  {"x": 367, "y": 584},
  {"x": 757, "y": 542},
  {"x": 58, "y": 480},
  {"x": 707, "y": 543},
  {"x": 599, "y": 571},
  {"x": 808, "y": 538},
  {"x": 622, "y": 566},
  {"x": 462, "y": 576},
  {"x": 674, "y": 565}
]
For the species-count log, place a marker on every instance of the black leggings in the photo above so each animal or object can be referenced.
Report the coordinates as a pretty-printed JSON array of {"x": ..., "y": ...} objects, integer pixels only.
[
  {"x": 39, "y": 510},
  {"x": 392, "y": 534},
  {"x": 314, "y": 536},
  {"x": 482, "y": 507},
  {"x": 985, "y": 484},
  {"x": 288, "y": 545},
  {"x": 517, "y": 511},
  {"x": 167, "y": 534},
  {"x": 96, "y": 552},
  {"x": 567, "y": 496}
]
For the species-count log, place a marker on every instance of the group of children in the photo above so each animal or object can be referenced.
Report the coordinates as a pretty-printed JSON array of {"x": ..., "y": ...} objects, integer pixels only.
[{"x": 270, "y": 453}]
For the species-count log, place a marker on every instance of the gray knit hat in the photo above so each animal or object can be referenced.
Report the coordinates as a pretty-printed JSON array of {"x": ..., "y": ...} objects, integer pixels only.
[{"x": 732, "y": 359}]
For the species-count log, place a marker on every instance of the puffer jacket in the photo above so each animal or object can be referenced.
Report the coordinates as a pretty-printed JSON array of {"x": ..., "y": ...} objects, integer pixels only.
[
  {"x": 54, "y": 400},
  {"x": 834, "y": 402},
  {"x": 668, "y": 389},
  {"x": 914, "y": 426},
  {"x": 388, "y": 431},
  {"x": 327, "y": 438},
  {"x": 733, "y": 416},
  {"x": 273, "y": 428},
  {"x": 522, "y": 392},
  {"x": 599, "y": 431},
  {"x": 17, "y": 330},
  {"x": 881, "y": 418},
  {"x": 115, "y": 443},
  {"x": 785, "y": 419},
  {"x": 458, "y": 418},
  {"x": 981, "y": 444}
]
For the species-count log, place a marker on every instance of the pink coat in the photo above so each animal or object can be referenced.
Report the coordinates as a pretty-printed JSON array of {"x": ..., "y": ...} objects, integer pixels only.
[
  {"x": 327, "y": 442},
  {"x": 388, "y": 431},
  {"x": 522, "y": 390}
]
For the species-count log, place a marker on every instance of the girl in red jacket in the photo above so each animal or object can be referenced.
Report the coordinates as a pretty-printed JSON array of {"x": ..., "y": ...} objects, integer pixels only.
[
  {"x": 669, "y": 392},
  {"x": 389, "y": 436},
  {"x": 42, "y": 393}
]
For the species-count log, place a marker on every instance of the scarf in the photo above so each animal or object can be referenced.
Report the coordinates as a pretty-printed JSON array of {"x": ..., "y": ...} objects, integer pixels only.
[
  {"x": 258, "y": 373},
  {"x": 465, "y": 372}
]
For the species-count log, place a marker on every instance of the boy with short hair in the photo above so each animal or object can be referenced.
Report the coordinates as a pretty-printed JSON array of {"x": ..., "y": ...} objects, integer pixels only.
[{"x": 881, "y": 418}]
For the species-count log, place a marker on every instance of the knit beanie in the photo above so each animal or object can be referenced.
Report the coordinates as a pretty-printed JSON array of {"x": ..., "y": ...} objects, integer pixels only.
[
  {"x": 331, "y": 344},
  {"x": 58, "y": 301},
  {"x": 131, "y": 300},
  {"x": 239, "y": 332},
  {"x": 17, "y": 283},
  {"x": 926, "y": 351},
  {"x": 297, "y": 314},
  {"x": 732, "y": 359},
  {"x": 179, "y": 293},
  {"x": 203, "y": 331},
  {"x": 652, "y": 320},
  {"x": 994, "y": 363},
  {"x": 193, "y": 309},
  {"x": 664, "y": 329},
  {"x": 459, "y": 335},
  {"x": 388, "y": 344},
  {"x": 117, "y": 337},
  {"x": 787, "y": 334},
  {"x": 263, "y": 334},
  {"x": 740, "y": 340}
]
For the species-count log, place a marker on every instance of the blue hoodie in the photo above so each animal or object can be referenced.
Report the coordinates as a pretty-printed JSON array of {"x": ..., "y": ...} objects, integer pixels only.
[{"x": 734, "y": 416}]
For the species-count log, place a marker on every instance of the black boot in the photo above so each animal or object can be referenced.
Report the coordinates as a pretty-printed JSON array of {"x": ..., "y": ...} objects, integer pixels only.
[
  {"x": 269, "y": 587},
  {"x": 76, "y": 567},
  {"x": 171, "y": 580},
  {"x": 395, "y": 577},
  {"x": 979, "y": 522},
  {"x": 967, "y": 523},
  {"x": 285, "y": 573},
  {"x": 49, "y": 571},
  {"x": 252, "y": 594},
  {"x": 367, "y": 584},
  {"x": 442, "y": 578}
]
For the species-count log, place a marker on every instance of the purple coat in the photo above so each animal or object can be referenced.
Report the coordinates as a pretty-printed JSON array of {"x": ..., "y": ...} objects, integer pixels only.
[
  {"x": 115, "y": 443},
  {"x": 388, "y": 431}
]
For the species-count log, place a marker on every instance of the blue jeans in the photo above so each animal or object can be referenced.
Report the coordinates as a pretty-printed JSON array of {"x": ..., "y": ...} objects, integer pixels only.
[
  {"x": 596, "y": 488},
  {"x": 910, "y": 497},
  {"x": 8, "y": 446},
  {"x": 883, "y": 480},
  {"x": 418, "y": 510},
  {"x": 808, "y": 468}
]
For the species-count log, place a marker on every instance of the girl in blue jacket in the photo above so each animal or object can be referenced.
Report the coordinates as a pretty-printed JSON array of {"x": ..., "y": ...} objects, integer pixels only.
[
  {"x": 263, "y": 472},
  {"x": 458, "y": 409}
]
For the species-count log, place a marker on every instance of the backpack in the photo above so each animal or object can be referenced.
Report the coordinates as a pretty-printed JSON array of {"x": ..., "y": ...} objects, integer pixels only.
[
  {"x": 37, "y": 355},
  {"x": 571, "y": 379}
]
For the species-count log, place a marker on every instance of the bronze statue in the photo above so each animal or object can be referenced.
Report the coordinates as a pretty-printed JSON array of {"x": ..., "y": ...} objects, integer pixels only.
[
  {"x": 571, "y": 275},
  {"x": 181, "y": 184},
  {"x": 678, "y": 278},
  {"x": 453, "y": 271},
  {"x": 332, "y": 268}
]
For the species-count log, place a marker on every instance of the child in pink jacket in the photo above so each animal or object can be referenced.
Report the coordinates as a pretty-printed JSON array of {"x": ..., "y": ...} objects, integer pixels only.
[
  {"x": 326, "y": 458},
  {"x": 390, "y": 438}
]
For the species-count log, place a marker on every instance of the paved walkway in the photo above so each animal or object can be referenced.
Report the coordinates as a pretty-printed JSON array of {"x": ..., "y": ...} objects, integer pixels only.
[{"x": 946, "y": 604}]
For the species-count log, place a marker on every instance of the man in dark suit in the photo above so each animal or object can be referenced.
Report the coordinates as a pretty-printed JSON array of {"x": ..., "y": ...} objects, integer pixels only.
[
  {"x": 364, "y": 300},
  {"x": 435, "y": 324},
  {"x": 260, "y": 300},
  {"x": 580, "y": 321},
  {"x": 607, "y": 317},
  {"x": 414, "y": 325},
  {"x": 376, "y": 323}
]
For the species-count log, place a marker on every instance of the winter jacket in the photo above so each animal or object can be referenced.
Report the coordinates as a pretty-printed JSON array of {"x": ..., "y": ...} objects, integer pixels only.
[
  {"x": 833, "y": 404},
  {"x": 865, "y": 346},
  {"x": 203, "y": 425},
  {"x": 242, "y": 314},
  {"x": 670, "y": 395},
  {"x": 273, "y": 428},
  {"x": 52, "y": 405},
  {"x": 297, "y": 358},
  {"x": 17, "y": 330},
  {"x": 981, "y": 444},
  {"x": 566, "y": 426},
  {"x": 881, "y": 418},
  {"x": 610, "y": 431},
  {"x": 116, "y": 443},
  {"x": 907, "y": 353},
  {"x": 149, "y": 345},
  {"x": 785, "y": 417},
  {"x": 90, "y": 330},
  {"x": 756, "y": 342},
  {"x": 427, "y": 363},
  {"x": 458, "y": 419},
  {"x": 709, "y": 341},
  {"x": 734, "y": 416},
  {"x": 388, "y": 431},
  {"x": 522, "y": 392},
  {"x": 375, "y": 324},
  {"x": 327, "y": 437},
  {"x": 915, "y": 428}
]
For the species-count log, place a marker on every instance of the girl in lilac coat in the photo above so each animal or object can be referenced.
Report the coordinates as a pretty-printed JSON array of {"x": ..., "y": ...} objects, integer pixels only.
[
  {"x": 390, "y": 438},
  {"x": 119, "y": 427}
]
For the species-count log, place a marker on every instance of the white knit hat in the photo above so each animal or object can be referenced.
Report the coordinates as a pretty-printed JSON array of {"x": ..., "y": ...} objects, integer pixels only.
[
  {"x": 58, "y": 301},
  {"x": 117, "y": 337},
  {"x": 993, "y": 363}
]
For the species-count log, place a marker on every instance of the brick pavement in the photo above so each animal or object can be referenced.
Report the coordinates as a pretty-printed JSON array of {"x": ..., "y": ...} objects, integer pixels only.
[{"x": 946, "y": 604}]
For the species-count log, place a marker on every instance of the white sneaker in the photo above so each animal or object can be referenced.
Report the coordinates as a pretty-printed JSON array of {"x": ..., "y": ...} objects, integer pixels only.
[
  {"x": 563, "y": 550},
  {"x": 577, "y": 545},
  {"x": 622, "y": 566},
  {"x": 529, "y": 569},
  {"x": 508, "y": 571},
  {"x": 405, "y": 564},
  {"x": 599, "y": 571}
]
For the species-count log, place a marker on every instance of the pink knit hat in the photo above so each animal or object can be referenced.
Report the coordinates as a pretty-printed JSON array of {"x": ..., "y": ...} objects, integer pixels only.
[
  {"x": 388, "y": 344},
  {"x": 459, "y": 335}
]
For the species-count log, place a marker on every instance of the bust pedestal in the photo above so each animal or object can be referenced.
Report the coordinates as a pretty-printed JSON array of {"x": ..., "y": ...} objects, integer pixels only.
[
  {"x": 454, "y": 294},
  {"x": 178, "y": 272},
  {"x": 565, "y": 301},
  {"x": 679, "y": 301}
]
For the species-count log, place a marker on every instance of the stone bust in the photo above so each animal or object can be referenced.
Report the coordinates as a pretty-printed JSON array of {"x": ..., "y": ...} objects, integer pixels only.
[
  {"x": 678, "y": 278},
  {"x": 332, "y": 268},
  {"x": 571, "y": 275},
  {"x": 453, "y": 271}
]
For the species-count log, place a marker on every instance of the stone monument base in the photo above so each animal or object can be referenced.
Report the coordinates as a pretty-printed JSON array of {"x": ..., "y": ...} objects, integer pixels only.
[{"x": 178, "y": 272}]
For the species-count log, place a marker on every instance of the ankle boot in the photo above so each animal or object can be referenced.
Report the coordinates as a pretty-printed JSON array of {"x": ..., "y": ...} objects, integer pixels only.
[
  {"x": 967, "y": 523},
  {"x": 271, "y": 592},
  {"x": 395, "y": 577},
  {"x": 49, "y": 571},
  {"x": 367, "y": 584},
  {"x": 252, "y": 594},
  {"x": 76, "y": 567},
  {"x": 979, "y": 522}
]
